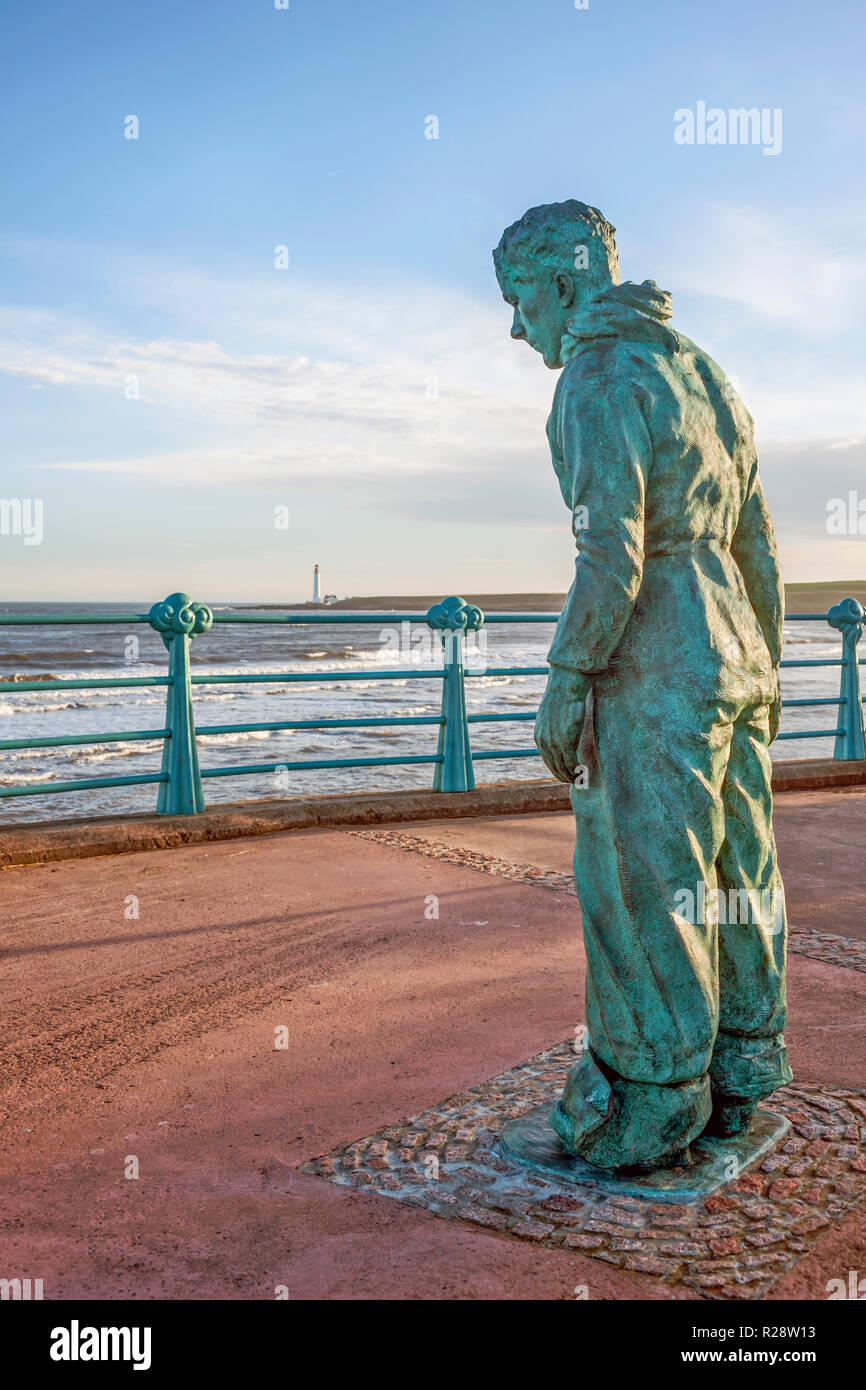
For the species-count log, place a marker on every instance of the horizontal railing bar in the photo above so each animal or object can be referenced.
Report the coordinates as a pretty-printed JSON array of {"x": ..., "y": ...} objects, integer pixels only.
[
  {"x": 326, "y": 724},
  {"x": 317, "y": 763},
  {"x": 812, "y": 733},
  {"x": 306, "y": 619},
  {"x": 68, "y": 619},
  {"x": 318, "y": 724},
  {"x": 499, "y": 718},
  {"x": 281, "y": 677},
  {"x": 81, "y": 785},
  {"x": 377, "y": 722},
  {"x": 509, "y": 671},
  {"x": 358, "y": 617},
  {"x": 98, "y": 684},
  {"x": 127, "y": 736},
  {"x": 507, "y": 753},
  {"x": 284, "y": 677},
  {"x": 787, "y": 704},
  {"x": 352, "y": 618}
]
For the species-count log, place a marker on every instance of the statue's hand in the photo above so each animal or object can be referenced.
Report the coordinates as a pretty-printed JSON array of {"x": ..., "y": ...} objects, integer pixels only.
[
  {"x": 776, "y": 709},
  {"x": 559, "y": 721}
]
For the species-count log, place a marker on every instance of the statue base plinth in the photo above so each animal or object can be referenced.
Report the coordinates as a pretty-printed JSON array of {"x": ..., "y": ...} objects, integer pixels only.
[
  {"x": 578, "y": 1208},
  {"x": 531, "y": 1142}
]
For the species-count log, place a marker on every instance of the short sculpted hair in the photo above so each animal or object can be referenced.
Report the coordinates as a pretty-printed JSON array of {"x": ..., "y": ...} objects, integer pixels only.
[{"x": 548, "y": 238}]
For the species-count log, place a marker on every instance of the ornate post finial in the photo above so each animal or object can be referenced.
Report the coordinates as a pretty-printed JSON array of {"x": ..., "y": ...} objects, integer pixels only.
[
  {"x": 455, "y": 614},
  {"x": 178, "y": 616}
]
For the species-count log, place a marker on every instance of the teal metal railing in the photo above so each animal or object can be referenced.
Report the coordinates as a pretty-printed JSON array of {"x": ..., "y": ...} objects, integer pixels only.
[{"x": 179, "y": 621}]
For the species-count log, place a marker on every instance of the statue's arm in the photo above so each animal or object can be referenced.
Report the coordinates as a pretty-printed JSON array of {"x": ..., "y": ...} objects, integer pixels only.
[
  {"x": 607, "y": 452},
  {"x": 754, "y": 548}
]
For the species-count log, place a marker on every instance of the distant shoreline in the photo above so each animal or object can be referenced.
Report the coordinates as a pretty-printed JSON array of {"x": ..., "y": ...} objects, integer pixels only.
[
  {"x": 799, "y": 598},
  {"x": 807, "y": 597}
]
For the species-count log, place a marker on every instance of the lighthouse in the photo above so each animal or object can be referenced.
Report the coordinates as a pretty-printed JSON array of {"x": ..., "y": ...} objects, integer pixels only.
[{"x": 316, "y": 598}]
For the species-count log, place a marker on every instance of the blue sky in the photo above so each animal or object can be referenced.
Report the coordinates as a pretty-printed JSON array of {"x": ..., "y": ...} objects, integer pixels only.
[{"x": 371, "y": 386}]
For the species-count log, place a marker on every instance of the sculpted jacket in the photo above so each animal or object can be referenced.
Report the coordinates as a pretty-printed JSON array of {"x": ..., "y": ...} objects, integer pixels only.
[{"x": 677, "y": 577}]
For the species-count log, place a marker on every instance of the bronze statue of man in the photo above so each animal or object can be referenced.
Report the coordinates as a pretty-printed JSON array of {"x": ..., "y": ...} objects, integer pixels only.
[{"x": 664, "y": 692}]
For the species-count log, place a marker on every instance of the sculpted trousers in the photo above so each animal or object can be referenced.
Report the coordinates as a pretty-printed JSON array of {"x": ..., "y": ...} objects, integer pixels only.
[{"x": 683, "y": 918}]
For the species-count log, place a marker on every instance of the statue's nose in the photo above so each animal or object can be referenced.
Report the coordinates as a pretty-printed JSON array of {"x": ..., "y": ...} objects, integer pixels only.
[{"x": 517, "y": 329}]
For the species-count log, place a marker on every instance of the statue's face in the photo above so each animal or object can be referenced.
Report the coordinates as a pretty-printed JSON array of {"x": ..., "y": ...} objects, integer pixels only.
[{"x": 542, "y": 306}]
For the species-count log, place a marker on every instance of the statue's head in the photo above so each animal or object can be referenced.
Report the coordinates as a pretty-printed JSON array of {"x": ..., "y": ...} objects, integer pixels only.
[{"x": 555, "y": 257}]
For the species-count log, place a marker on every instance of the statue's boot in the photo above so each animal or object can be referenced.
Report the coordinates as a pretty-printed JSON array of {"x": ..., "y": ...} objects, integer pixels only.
[
  {"x": 619, "y": 1124},
  {"x": 743, "y": 1071},
  {"x": 730, "y": 1116}
]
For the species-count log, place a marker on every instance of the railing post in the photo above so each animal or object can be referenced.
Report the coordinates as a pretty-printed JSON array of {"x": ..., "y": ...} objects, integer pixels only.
[
  {"x": 848, "y": 616},
  {"x": 453, "y": 617},
  {"x": 177, "y": 619}
]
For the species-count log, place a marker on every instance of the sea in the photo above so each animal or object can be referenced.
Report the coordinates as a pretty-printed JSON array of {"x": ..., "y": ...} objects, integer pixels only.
[{"x": 41, "y": 653}]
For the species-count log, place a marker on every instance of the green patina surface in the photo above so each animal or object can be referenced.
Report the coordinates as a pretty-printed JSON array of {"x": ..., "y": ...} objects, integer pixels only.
[
  {"x": 661, "y": 705},
  {"x": 531, "y": 1140}
]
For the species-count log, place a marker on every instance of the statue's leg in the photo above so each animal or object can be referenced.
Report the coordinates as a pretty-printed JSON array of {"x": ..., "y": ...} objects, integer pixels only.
[
  {"x": 650, "y": 825},
  {"x": 749, "y": 1060}
]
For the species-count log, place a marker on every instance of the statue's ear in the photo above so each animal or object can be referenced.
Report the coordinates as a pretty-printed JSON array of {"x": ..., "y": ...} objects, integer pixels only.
[{"x": 565, "y": 289}]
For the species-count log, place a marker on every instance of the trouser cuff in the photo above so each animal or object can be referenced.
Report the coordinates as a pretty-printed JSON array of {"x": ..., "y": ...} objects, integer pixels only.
[
  {"x": 615, "y": 1123},
  {"x": 749, "y": 1068}
]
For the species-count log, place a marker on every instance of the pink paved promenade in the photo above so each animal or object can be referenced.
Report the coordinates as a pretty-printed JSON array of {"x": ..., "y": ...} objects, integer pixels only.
[{"x": 153, "y": 1037}]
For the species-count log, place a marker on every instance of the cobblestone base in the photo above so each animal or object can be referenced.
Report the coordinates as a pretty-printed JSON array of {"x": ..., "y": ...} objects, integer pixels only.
[
  {"x": 732, "y": 1245},
  {"x": 823, "y": 946}
]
